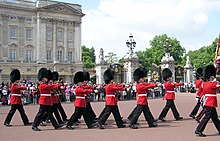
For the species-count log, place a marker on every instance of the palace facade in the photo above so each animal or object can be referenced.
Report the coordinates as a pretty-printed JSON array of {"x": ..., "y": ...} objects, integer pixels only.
[{"x": 42, "y": 33}]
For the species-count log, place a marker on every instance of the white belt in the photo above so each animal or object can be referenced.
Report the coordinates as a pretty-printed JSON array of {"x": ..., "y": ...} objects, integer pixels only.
[
  {"x": 110, "y": 95},
  {"x": 45, "y": 94},
  {"x": 81, "y": 97},
  {"x": 170, "y": 91},
  {"x": 16, "y": 94},
  {"x": 210, "y": 95},
  {"x": 142, "y": 94}
]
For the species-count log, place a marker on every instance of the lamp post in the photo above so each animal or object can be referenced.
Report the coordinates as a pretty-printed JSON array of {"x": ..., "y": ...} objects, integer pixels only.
[
  {"x": 131, "y": 44},
  {"x": 167, "y": 47}
]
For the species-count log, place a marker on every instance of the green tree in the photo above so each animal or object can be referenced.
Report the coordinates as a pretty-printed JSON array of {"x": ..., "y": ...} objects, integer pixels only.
[
  {"x": 203, "y": 56},
  {"x": 155, "y": 53},
  {"x": 111, "y": 58},
  {"x": 88, "y": 57}
]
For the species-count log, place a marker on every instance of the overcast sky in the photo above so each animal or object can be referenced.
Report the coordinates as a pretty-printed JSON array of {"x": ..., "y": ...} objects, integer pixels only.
[{"x": 108, "y": 23}]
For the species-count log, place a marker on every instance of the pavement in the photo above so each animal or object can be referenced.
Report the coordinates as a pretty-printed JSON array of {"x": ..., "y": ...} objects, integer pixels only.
[{"x": 171, "y": 130}]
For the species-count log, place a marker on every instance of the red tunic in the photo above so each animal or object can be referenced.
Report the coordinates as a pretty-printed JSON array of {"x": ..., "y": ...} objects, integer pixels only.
[
  {"x": 88, "y": 94},
  {"x": 142, "y": 92},
  {"x": 169, "y": 88},
  {"x": 56, "y": 97},
  {"x": 80, "y": 96},
  {"x": 209, "y": 90},
  {"x": 45, "y": 94},
  {"x": 16, "y": 94},
  {"x": 198, "y": 85},
  {"x": 111, "y": 99}
]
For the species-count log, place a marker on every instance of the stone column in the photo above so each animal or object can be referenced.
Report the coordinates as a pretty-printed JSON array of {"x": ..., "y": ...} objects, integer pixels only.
[
  {"x": 77, "y": 42},
  {"x": 41, "y": 39},
  {"x": 130, "y": 64},
  {"x": 168, "y": 62},
  {"x": 189, "y": 70},
  {"x": 0, "y": 75},
  {"x": 54, "y": 38},
  {"x": 65, "y": 41},
  {"x": 100, "y": 69},
  {"x": 5, "y": 29}
]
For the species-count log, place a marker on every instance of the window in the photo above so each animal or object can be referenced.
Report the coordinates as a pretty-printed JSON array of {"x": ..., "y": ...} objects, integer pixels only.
[
  {"x": 28, "y": 20},
  {"x": 49, "y": 55},
  {"x": 60, "y": 36},
  {"x": 13, "y": 18},
  {"x": 49, "y": 34},
  {"x": 28, "y": 54},
  {"x": 28, "y": 33},
  {"x": 59, "y": 55},
  {"x": 70, "y": 36},
  {"x": 13, "y": 32},
  {"x": 70, "y": 56},
  {"x": 12, "y": 54}
]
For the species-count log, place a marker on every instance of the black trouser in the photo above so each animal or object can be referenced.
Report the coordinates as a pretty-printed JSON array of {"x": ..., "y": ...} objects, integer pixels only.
[
  {"x": 169, "y": 104},
  {"x": 132, "y": 113},
  {"x": 20, "y": 108},
  {"x": 42, "y": 110},
  {"x": 106, "y": 113},
  {"x": 90, "y": 111},
  {"x": 210, "y": 113},
  {"x": 147, "y": 114},
  {"x": 61, "y": 110},
  {"x": 56, "y": 113},
  {"x": 196, "y": 108},
  {"x": 80, "y": 111},
  {"x": 201, "y": 113}
]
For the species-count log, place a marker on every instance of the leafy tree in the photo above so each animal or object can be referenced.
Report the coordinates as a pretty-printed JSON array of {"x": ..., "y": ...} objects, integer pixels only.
[
  {"x": 203, "y": 56},
  {"x": 156, "y": 52},
  {"x": 88, "y": 57},
  {"x": 111, "y": 58}
]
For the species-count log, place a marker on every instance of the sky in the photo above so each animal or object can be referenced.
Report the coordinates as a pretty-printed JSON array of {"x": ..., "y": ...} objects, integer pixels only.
[{"x": 107, "y": 24}]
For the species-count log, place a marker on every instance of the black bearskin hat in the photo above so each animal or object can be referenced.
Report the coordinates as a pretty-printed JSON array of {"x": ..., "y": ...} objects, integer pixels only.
[
  {"x": 55, "y": 76},
  {"x": 50, "y": 75},
  {"x": 78, "y": 77},
  {"x": 199, "y": 73},
  {"x": 138, "y": 73},
  {"x": 209, "y": 71},
  {"x": 42, "y": 73},
  {"x": 15, "y": 75},
  {"x": 166, "y": 74},
  {"x": 108, "y": 76},
  {"x": 145, "y": 72},
  {"x": 86, "y": 76}
]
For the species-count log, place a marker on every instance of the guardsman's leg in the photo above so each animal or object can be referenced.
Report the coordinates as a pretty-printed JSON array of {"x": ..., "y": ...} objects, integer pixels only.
[{"x": 10, "y": 115}]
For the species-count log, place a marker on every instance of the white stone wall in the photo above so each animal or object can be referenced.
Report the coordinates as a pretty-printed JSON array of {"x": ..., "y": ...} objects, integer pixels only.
[{"x": 59, "y": 16}]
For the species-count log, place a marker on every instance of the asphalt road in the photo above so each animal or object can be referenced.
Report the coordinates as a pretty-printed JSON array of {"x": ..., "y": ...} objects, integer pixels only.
[{"x": 170, "y": 130}]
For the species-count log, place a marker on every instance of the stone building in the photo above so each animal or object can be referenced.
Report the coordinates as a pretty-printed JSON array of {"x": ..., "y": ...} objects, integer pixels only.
[{"x": 42, "y": 33}]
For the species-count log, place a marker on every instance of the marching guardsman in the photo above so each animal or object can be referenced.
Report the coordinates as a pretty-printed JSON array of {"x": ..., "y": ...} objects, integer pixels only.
[
  {"x": 169, "y": 96},
  {"x": 199, "y": 82},
  {"x": 209, "y": 88},
  {"x": 89, "y": 110},
  {"x": 142, "y": 104},
  {"x": 80, "y": 103},
  {"x": 15, "y": 101},
  {"x": 145, "y": 83},
  {"x": 57, "y": 99},
  {"x": 45, "y": 100},
  {"x": 111, "y": 100}
]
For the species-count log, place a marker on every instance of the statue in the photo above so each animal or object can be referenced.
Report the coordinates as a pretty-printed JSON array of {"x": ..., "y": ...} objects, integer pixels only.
[
  {"x": 101, "y": 55},
  {"x": 188, "y": 60}
]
